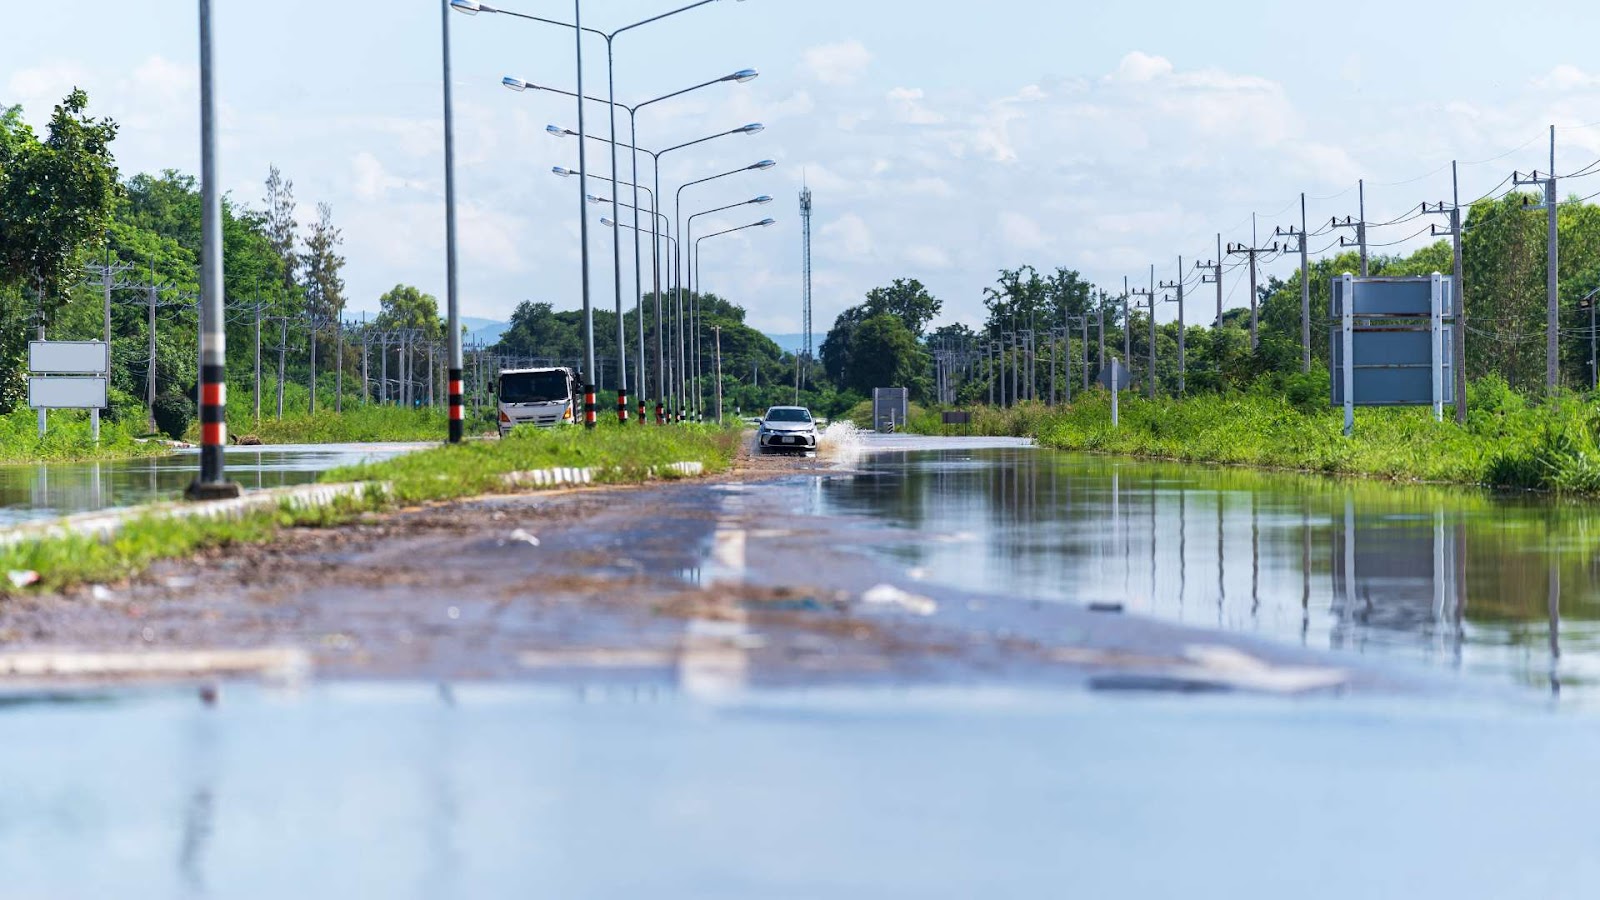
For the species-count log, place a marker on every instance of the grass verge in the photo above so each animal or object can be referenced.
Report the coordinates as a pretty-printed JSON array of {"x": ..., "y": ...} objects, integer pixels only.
[
  {"x": 356, "y": 424},
  {"x": 1507, "y": 441},
  {"x": 67, "y": 439},
  {"x": 619, "y": 455}
]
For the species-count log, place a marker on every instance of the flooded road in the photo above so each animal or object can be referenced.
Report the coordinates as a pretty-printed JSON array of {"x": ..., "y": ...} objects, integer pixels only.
[
  {"x": 424, "y": 791},
  {"x": 1505, "y": 587},
  {"x": 684, "y": 691},
  {"x": 48, "y": 490}
]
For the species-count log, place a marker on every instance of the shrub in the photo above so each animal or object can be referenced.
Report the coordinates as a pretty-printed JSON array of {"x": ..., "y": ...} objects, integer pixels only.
[{"x": 173, "y": 412}]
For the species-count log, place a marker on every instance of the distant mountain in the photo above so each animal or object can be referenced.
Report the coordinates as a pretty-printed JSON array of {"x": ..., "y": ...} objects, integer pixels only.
[
  {"x": 792, "y": 343},
  {"x": 484, "y": 331}
]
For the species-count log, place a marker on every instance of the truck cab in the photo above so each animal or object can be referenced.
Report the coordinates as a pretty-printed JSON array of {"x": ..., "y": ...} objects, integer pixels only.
[{"x": 543, "y": 398}]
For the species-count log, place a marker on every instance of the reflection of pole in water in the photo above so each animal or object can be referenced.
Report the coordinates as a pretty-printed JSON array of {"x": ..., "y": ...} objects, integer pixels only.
[
  {"x": 1305, "y": 569},
  {"x": 1183, "y": 545},
  {"x": 1461, "y": 590},
  {"x": 1152, "y": 540},
  {"x": 1255, "y": 558},
  {"x": 1555, "y": 625},
  {"x": 1222, "y": 589}
]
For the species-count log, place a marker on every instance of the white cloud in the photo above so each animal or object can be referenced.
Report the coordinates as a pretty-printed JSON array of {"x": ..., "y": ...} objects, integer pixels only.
[
  {"x": 839, "y": 64},
  {"x": 909, "y": 109},
  {"x": 1141, "y": 67},
  {"x": 927, "y": 257},
  {"x": 1566, "y": 77},
  {"x": 846, "y": 237},
  {"x": 1021, "y": 232}
]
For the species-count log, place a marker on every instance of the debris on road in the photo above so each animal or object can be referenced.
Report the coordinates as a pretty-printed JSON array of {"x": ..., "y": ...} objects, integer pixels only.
[{"x": 889, "y": 595}]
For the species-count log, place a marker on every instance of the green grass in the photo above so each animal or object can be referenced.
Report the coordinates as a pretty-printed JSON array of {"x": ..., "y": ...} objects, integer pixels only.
[
  {"x": 356, "y": 424},
  {"x": 1507, "y": 441},
  {"x": 67, "y": 438},
  {"x": 620, "y": 455}
]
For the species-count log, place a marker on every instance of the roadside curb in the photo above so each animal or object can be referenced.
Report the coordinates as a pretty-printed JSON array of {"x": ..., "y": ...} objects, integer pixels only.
[
  {"x": 570, "y": 475},
  {"x": 106, "y": 524}
]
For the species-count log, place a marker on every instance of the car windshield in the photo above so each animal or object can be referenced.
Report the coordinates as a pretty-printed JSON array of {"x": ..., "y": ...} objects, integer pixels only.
[
  {"x": 788, "y": 414},
  {"x": 534, "y": 387}
]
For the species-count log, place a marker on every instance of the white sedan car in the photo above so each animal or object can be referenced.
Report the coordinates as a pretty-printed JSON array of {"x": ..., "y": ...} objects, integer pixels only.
[{"x": 788, "y": 428}]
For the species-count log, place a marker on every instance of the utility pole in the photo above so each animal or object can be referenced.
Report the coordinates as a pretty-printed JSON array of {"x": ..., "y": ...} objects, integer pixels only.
[
  {"x": 338, "y": 363},
  {"x": 258, "y": 359},
  {"x": 1178, "y": 286},
  {"x": 1250, "y": 253},
  {"x": 150, "y": 373},
  {"x": 1150, "y": 298},
  {"x": 1458, "y": 345},
  {"x": 1359, "y": 225},
  {"x": 283, "y": 357},
  {"x": 1127, "y": 325},
  {"x": 1552, "y": 375},
  {"x": 1305, "y": 283},
  {"x": 716, "y": 330},
  {"x": 311, "y": 324}
]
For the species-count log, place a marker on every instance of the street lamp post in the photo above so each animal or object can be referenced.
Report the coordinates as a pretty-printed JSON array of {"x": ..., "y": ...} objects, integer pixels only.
[
  {"x": 473, "y": 7},
  {"x": 754, "y": 128},
  {"x": 212, "y": 483},
  {"x": 517, "y": 84},
  {"x": 694, "y": 298},
  {"x": 696, "y": 272}
]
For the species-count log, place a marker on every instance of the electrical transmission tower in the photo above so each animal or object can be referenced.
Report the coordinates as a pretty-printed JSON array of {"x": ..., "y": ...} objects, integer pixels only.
[{"x": 805, "y": 311}]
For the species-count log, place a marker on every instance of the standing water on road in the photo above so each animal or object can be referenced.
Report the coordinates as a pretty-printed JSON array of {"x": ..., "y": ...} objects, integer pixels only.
[
  {"x": 48, "y": 490},
  {"x": 1461, "y": 579}
]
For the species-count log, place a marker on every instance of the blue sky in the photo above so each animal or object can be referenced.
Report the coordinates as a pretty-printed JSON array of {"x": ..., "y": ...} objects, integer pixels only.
[{"x": 943, "y": 141}]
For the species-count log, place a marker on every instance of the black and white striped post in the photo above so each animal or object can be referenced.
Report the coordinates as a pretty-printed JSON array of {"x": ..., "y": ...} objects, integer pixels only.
[
  {"x": 453, "y": 310},
  {"x": 212, "y": 484}
]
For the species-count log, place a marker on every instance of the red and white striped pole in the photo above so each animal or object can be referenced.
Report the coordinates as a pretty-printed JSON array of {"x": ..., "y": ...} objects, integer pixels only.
[
  {"x": 452, "y": 307},
  {"x": 212, "y": 483}
]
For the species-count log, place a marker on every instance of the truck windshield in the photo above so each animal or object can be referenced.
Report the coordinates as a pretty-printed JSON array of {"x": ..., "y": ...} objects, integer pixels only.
[
  {"x": 790, "y": 414},
  {"x": 534, "y": 387}
]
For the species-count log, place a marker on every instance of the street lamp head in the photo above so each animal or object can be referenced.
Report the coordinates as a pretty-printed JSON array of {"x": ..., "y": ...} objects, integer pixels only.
[
  {"x": 563, "y": 171},
  {"x": 761, "y": 200},
  {"x": 764, "y": 164},
  {"x": 516, "y": 84},
  {"x": 752, "y": 128},
  {"x": 765, "y": 222},
  {"x": 742, "y": 76},
  {"x": 593, "y": 199},
  {"x": 470, "y": 7},
  {"x": 606, "y": 221},
  {"x": 558, "y": 131}
]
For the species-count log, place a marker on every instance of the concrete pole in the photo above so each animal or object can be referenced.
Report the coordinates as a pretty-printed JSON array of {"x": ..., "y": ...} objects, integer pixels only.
[
  {"x": 717, "y": 330},
  {"x": 1361, "y": 226},
  {"x": 452, "y": 297},
  {"x": 616, "y": 236},
  {"x": 1182, "y": 363},
  {"x": 583, "y": 230},
  {"x": 1458, "y": 343},
  {"x": 1251, "y": 257},
  {"x": 1552, "y": 278},
  {"x": 1219, "y": 281},
  {"x": 258, "y": 360},
  {"x": 1153, "y": 376},
  {"x": 1305, "y": 293},
  {"x": 1127, "y": 325},
  {"x": 212, "y": 482},
  {"x": 150, "y": 373},
  {"x": 338, "y": 364}
]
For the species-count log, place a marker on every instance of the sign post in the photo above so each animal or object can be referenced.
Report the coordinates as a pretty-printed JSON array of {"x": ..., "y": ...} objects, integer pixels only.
[
  {"x": 1390, "y": 345},
  {"x": 68, "y": 375}
]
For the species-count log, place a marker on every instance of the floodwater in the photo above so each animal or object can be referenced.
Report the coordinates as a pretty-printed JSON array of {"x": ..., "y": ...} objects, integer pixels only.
[
  {"x": 1504, "y": 587},
  {"x": 48, "y": 490},
  {"x": 427, "y": 791},
  {"x": 665, "y": 789}
]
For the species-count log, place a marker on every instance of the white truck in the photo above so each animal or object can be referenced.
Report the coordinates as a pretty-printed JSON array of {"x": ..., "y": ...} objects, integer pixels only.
[{"x": 544, "y": 398}]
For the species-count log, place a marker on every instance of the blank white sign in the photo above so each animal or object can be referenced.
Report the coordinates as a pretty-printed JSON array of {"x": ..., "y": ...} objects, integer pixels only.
[
  {"x": 68, "y": 358},
  {"x": 49, "y": 392}
]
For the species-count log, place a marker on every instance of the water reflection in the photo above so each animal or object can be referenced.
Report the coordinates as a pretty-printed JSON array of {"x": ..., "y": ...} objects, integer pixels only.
[
  {"x": 1459, "y": 578},
  {"x": 48, "y": 490}
]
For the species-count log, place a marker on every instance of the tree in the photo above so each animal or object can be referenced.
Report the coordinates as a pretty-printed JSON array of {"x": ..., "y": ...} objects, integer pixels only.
[
  {"x": 324, "y": 288},
  {"x": 886, "y": 354},
  {"x": 907, "y": 300},
  {"x": 56, "y": 196}
]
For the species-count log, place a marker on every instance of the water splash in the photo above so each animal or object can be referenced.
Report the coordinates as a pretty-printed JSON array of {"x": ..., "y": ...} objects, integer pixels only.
[{"x": 841, "y": 442}]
